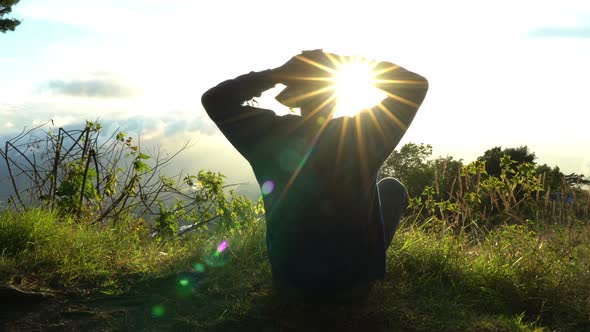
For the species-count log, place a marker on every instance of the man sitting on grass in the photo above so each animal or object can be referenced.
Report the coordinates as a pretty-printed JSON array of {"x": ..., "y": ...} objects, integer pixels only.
[{"x": 329, "y": 222}]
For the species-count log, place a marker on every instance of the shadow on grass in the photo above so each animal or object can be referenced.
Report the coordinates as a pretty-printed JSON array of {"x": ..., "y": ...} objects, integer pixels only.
[{"x": 218, "y": 302}]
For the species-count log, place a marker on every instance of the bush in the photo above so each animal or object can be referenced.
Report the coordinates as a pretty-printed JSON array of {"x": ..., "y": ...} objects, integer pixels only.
[
  {"x": 480, "y": 200},
  {"x": 79, "y": 173}
]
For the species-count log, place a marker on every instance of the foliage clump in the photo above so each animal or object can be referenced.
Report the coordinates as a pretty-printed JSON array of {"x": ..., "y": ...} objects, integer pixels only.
[
  {"x": 7, "y": 24},
  {"x": 78, "y": 172},
  {"x": 493, "y": 190}
]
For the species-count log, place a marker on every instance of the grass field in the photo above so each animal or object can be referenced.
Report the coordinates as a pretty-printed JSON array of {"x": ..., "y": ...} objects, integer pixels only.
[{"x": 527, "y": 277}]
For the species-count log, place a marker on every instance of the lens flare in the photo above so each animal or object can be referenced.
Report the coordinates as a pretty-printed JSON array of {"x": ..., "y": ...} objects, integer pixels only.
[
  {"x": 158, "y": 311},
  {"x": 187, "y": 283},
  {"x": 199, "y": 267},
  {"x": 222, "y": 246},
  {"x": 267, "y": 187},
  {"x": 354, "y": 87},
  {"x": 218, "y": 255}
]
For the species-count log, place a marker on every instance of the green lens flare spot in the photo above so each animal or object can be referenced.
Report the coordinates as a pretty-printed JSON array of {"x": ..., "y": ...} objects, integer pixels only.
[
  {"x": 199, "y": 268},
  {"x": 183, "y": 282},
  {"x": 158, "y": 311}
]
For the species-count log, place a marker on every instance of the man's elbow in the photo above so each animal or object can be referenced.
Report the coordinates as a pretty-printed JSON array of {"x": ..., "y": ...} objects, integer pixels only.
[
  {"x": 213, "y": 102},
  {"x": 208, "y": 99},
  {"x": 423, "y": 82},
  {"x": 423, "y": 88},
  {"x": 417, "y": 88},
  {"x": 426, "y": 84}
]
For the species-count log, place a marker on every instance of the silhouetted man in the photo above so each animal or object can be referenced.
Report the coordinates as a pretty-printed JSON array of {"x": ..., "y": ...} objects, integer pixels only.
[{"x": 329, "y": 222}]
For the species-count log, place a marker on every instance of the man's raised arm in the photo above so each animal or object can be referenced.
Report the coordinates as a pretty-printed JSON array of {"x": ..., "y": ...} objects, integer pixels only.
[
  {"x": 391, "y": 118},
  {"x": 241, "y": 124}
]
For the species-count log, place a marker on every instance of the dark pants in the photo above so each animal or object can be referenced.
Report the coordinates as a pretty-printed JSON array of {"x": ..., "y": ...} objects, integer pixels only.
[{"x": 393, "y": 199}]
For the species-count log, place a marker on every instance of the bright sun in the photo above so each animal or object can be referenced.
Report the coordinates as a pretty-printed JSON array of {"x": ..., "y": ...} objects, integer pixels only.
[{"x": 354, "y": 84}]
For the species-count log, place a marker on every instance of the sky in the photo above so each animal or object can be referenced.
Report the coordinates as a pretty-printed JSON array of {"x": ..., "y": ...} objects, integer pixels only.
[{"x": 501, "y": 73}]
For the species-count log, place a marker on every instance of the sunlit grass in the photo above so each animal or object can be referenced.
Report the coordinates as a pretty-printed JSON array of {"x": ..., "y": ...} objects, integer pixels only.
[
  {"x": 40, "y": 248},
  {"x": 515, "y": 278}
]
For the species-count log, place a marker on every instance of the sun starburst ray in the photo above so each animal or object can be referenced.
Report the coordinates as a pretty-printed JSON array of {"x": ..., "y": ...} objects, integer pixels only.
[
  {"x": 392, "y": 116},
  {"x": 317, "y": 64},
  {"x": 335, "y": 62},
  {"x": 377, "y": 124},
  {"x": 299, "y": 167},
  {"x": 386, "y": 70},
  {"x": 309, "y": 94},
  {"x": 362, "y": 152},
  {"x": 400, "y": 82},
  {"x": 341, "y": 138},
  {"x": 318, "y": 109},
  {"x": 402, "y": 100}
]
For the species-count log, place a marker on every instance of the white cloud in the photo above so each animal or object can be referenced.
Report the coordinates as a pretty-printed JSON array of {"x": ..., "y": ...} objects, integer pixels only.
[{"x": 100, "y": 87}]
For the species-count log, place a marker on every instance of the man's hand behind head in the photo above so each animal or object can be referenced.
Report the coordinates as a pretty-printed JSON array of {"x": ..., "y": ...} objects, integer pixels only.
[{"x": 307, "y": 66}]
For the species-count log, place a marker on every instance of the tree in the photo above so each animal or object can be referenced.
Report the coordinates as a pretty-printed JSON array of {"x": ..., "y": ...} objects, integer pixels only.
[
  {"x": 552, "y": 177},
  {"x": 411, "y": 165},
  {"x": 493, "y": 156},
  {"x": 7, "y": 24},
  {"x": 575, "y": 179},
  {"x": 447, "y": 169}
]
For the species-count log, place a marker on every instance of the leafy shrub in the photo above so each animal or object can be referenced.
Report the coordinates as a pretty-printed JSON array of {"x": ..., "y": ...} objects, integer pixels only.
[
  {"x": 478, "y": 199},
  {"x": 77, "y": 172}
]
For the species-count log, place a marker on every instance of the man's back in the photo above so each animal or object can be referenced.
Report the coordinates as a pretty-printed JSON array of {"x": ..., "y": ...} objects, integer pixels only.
[{"x": 318, "y": 184}]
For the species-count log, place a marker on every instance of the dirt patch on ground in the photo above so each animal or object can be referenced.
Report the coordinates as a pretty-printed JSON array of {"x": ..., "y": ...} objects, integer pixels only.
[{"x": 63, "y": 314}]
